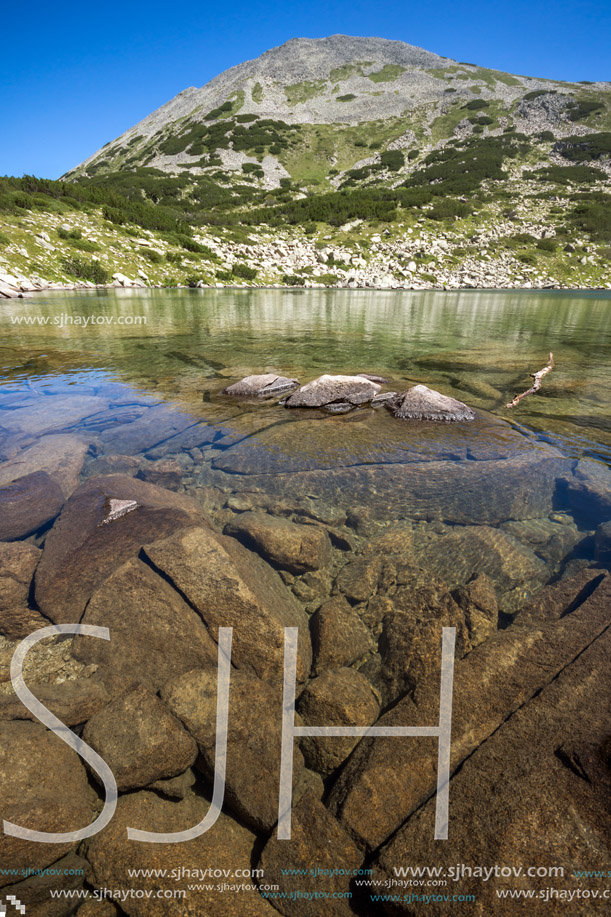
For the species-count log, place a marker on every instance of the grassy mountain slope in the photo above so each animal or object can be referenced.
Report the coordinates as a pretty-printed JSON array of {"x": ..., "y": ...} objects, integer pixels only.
[{"x": 455, "y": 174}]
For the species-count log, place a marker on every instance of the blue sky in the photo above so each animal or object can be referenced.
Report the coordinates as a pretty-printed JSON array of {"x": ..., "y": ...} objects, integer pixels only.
[{"x": 76, "y": 75}]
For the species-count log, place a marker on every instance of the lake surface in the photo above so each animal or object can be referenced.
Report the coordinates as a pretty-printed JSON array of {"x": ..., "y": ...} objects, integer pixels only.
[{"x": 143, "y": 379}]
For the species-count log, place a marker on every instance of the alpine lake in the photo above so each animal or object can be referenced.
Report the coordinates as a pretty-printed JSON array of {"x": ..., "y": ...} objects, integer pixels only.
[
  {"x": 508, "y": 495},
  {"x": 136, "y": 496}
]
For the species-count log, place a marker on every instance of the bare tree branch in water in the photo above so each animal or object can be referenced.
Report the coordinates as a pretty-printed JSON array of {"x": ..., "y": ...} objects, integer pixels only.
[{"x": 536, "y": 384}]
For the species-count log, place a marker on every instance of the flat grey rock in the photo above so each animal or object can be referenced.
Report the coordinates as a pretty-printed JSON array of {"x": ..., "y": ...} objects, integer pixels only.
[
  {"x": 265, "y": 385},
  {"x": 328, "y": 390}
]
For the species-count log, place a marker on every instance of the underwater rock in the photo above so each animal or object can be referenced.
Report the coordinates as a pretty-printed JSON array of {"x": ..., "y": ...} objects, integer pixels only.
[
  {"x": 359, "y": 578},
  {"x": 112, "y": 464},
  {"x": 81, "y": 551},
  {"x": 285, "y": 544},
  {"x": 73, "y": 702},
  {"x": 52, "y": 414},
  {"x": 456, "y": 553},
  {"x": 316, "y": 838},
  {"x": 254, "y": 739},
  {"x": 266, "y": 385},
  {"x": 61, "y": 455},
  {"x": 113, "y": 856},
  {"x": 140, "y": 740},
  {"x": 328, "y": 390},
  {"x": 588, "y": 490},
  {"x": 540, "y": 772},
  {"x": 156, "y": 425},
  {"x": 338, "y": 697},
  {"x": 602, "y": 544},
  {"x": 233, "y": 587},
  {"x": 43, "y": 786},
  {"x": 477, "y": 599},
  {"x": 339, "y": 635},
  {"x": 386, "y": 780},
  {"x": 18, "y": 562},
  {"x": 28, "y": 503},
  {"x": 163, "y": 472},
  {"x": 410, "y": 639},
  {"x": 422, "y": 403},
  {"x": 142, "y": 610}
]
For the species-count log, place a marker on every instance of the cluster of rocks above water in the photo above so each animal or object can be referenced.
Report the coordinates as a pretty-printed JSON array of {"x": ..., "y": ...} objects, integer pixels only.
[
  {"x": 340, "y": 394},
  {"x": 369, "y": 595}
]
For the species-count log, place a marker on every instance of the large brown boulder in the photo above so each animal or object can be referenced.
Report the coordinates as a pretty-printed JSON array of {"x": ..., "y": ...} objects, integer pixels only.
[
  {"x": 72, "y": 702},
  {"x": 89, "y": 541},
  {"x": 226, "y": 846},
  {"x": 318, "y": 843},
  {"x": 339, "y": 636},
  {"x": 18, "y": 562},
  {"x": 536, "y": 792},
  {"x": 292, "y": 547},
  {"x": 359, "y": 579},
  {"x": 338, "y": 697},
  {"x": 410, "y": 641},
  {"x": 28, "y": 503},
  {"x": 387, "y": 779},
  {"x": 154, "y": 634},
  {"x": 38, "y": 893},
  {"x": 232, "y": 587},
  {"x": 140, "y": 740},
  {"x": 253, "y": 743},
  {"x": 43, "y": 786}
]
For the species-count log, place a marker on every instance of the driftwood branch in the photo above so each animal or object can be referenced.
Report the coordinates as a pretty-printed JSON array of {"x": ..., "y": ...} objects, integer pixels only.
[{"x": 536, "y": 384}]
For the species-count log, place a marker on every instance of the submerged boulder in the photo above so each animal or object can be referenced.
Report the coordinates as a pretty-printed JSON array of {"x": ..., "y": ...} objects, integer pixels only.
[
  {"x": 537, "y": 788},
  {"x": 140, "y": 739},
  {"x": 333, "y": 390},
  {"x": 105, "y": 522},
  {"x": 265, "y": 385},
  {"x": 43, "y": 786},
  {"x": 27, "y": 504},
  {"x": 228, "y": 846},
  {"x": 387, "y": 780},
  {"x": 285, "y": 544},
  {"x": 316, "y": 838},
  {"x": 254, "y": 739},
  {"x": 230, "y": 586},
  {"x": 422, "y": 403}
]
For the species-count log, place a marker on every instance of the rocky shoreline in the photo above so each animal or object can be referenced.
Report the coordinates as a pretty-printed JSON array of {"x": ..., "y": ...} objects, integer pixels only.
[
  {"x": 354, "y": 257},
  {"x": 26, "y": 288}
]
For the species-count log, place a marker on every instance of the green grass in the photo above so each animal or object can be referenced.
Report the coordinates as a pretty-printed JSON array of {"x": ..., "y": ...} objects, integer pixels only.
[
  {"x": 388, "y": 74},
  {"x": 338, "y": 74},
  {"x": 491, "y": 77},
  {"x": 297, "y": 93},
  {"x": 257, "y": 93}
]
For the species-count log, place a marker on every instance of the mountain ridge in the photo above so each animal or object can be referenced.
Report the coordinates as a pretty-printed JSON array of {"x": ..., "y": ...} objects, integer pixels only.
[
  {"x": 336, "y": 162},
  {"x": 339, "y": 80}
]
